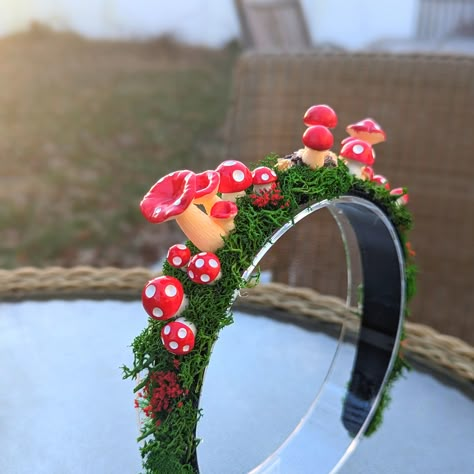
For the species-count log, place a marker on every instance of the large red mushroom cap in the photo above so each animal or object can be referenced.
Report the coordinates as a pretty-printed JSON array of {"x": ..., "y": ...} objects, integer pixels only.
[
  {"x": 163, "y": 298},
  {"x": 204, "y": 268},
  {"x": 403, "y": 199},
  {"x": 358, "y": 150},
  {"x": 179, "y": 336},
  {"x": 320, "y": 115},
  {"x": 263, "y": 177},
  {"x": 169, "y": 197},
  {"x": 368, "y": 130},
  {"x": 318, "y": 138},
  {"x": 235, "y": 178},
  {"x": 381, "y": 181}
]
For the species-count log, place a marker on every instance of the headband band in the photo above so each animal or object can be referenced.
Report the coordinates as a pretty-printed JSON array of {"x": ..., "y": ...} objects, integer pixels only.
[{"x": 232, "y": 217}]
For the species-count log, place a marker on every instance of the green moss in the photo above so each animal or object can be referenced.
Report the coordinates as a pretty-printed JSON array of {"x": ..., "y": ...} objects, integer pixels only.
[{"x": 171, "y": 445}]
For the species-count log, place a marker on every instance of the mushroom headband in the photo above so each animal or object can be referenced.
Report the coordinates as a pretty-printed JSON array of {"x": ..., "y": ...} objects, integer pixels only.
[{"x": 229, "y": 215}]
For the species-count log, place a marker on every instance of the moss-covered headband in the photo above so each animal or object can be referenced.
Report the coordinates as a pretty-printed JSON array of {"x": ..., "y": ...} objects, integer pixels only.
[{"x": 229, "y": 215}]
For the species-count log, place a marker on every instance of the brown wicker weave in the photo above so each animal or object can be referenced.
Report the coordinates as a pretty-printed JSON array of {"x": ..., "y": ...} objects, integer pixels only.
[
  {"x": 426, "y": 104},
  {"x": 422, "y": 343}
]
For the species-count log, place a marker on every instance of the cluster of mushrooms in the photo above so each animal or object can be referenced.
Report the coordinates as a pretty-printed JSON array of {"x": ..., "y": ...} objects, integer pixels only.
[
  {"x": 205, "y": 218},
  {"x": 204, "y": 206},
  {"x": 356, "y": 150}
]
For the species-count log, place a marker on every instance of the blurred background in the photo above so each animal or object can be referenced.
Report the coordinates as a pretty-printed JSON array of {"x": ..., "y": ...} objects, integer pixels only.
[{"x": 99, "y": 99}]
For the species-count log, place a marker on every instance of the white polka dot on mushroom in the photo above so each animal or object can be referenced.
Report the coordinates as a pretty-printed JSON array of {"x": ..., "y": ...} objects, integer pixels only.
[
  {"x": 157, "y": 312},
  {"x": 205, "y": 278},
  {"x": 358, "y": 149},
  {"x": 156, "y": 211},
  {"x": 174, "y": 345},
  {"x": 191, "y": 274},
  {"x": 171, "y": 291},
  {"x": 202, "y": 254},
  {"x": 213, "y": 263},
  {"x": 199, "y": 263},
  {"x": 265, "y": 177},
  {"x": 182, "y": 333},
  {"x": 177, "y": 202},
  {"x": 166, "y": 330},
  {"x": 186, "y": 348},
  {"x": 177, "y": 261},
  {"x": 229, "y": 163},
  {"x": 238, "y": 176},
  {"x": 181, "y": 247},
  {"x": 150, "y": 291}
]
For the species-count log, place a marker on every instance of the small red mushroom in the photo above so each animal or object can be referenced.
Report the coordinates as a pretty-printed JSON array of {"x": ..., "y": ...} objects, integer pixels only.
[
  {"x": 163, "y": 298},
  {"x": 357, "y": 154},
  {"x": 403, "y": 199},
  {"x": 381, "y": 180},
  {"x": 235, "y": 179},
  {"x": 207, "y": 185},
  {"x": 204, "y": 268},
  {"x": 223, "y": 214},
  {"x": 317, "y": 141},
  {"x": 263, "y": 177},
  {"x": 178, "y": 256},
  {"x": 320, "y": 115},
  {"x": 172, "y": 198},
  {"x": 368, "y": 130},
  {"x": 179, "y": 336},
  {"x": 367, "y": 173}
]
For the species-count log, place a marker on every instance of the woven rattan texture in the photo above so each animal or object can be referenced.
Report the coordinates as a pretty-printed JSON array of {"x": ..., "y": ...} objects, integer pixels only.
[
  {"x": 425, "y": 103},
  {"x": 422, "y": 343}
]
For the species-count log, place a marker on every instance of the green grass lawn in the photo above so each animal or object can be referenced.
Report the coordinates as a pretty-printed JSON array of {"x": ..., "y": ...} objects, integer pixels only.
[{"x": 86, "y": 128}]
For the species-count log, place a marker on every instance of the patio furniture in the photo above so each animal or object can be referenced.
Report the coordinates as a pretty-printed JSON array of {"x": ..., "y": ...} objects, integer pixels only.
[{"x": 425, "y": 103}]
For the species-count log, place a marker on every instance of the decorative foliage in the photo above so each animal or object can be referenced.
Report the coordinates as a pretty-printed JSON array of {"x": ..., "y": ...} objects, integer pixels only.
[{"x": 172, "y": 369}]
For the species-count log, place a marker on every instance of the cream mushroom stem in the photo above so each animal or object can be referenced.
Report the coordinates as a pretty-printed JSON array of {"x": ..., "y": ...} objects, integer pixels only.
[
  {"x": 226, "y": 224},
  {"x": 200, "y": 229},
  {"x": 355, "y": 167},
  {"x": 315, "y": 159},
  {"x": 208, "y": 202},
  {"x": 232, "y": 196},
  {"x": 370, "y": 138}
]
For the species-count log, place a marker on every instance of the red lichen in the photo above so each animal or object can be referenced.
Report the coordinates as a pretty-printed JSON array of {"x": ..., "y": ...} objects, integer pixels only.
[{"x": 271, "y": 198}]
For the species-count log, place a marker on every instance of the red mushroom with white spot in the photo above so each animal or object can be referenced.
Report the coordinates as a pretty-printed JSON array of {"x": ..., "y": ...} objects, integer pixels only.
[
  {"x": 235, "y": 179},
  {"x": 357, "y": 155},
  {"x": 207, "y": 186},
  {"x": 179, "y": 336},
  {"x": 320, "y": 114},
  {"x": 163, "y": 298},
  {"x": 381, "y": 181},
  {"x": 172, "y": 198},
  {"x": 368, "y": 130},
  {"x": 317, "y": 141},
  {"x": 263, "y": 178},
  {"x": 204, "y": 268},
  {"x": 178, "y": 256},
  {"x": 403, "y": 196},
  {"x": 223, "y": 214}
]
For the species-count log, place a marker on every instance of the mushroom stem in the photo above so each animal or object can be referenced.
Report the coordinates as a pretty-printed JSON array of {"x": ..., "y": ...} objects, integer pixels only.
[
  {"x": 355, "y": 167},
  {"x": 232, "y": 196},
  {"x": 226, "y": 224},
  {"x": 316, "y": 159},
  {"x": 200, "y": 229},
  {"x": 208, "y": 203}
]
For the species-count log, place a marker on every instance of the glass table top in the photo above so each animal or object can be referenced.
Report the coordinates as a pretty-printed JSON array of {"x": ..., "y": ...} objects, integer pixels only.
[{"x": 65, "y": 408}]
